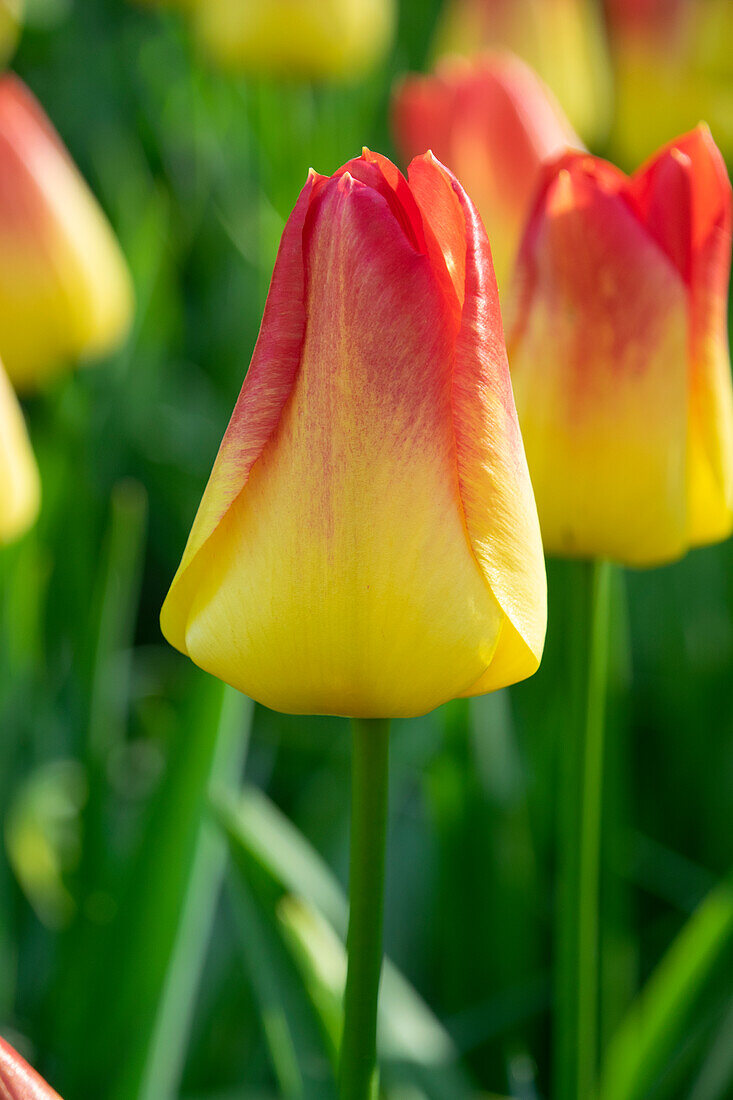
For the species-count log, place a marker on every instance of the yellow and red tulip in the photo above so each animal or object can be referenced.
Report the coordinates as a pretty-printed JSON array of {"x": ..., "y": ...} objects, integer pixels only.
[
  {"x": 18, "y": 1081},
  {"x": 368, "y": 542},
  {"x": 619, "y": 354},
  {"x": 296, "y": 38},
  {"x": 65, "y": 291},
  {"x": 563, "y": 40},
  {"x": 19, "y": 483},
  {"x": 493, "y": 123}
]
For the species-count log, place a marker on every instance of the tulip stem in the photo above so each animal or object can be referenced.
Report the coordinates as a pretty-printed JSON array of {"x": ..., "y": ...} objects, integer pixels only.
[
  {"x": 578, "y": 954},
  {"x": 369, "y": 782}
]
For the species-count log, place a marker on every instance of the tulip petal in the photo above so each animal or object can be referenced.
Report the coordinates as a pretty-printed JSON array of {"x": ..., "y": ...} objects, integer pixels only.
[
  {"x": 684, "y": 195},
  {"x": 493, "y": 123},
  {"x": 65, "y": 291},
  {"x": 266, "y": 389},
  {"x": 598, "y": 349},
  {"x": 19, "y": 483},
  {"x": 18, "y": 1081},
  {"x": 495, "y": 488}
]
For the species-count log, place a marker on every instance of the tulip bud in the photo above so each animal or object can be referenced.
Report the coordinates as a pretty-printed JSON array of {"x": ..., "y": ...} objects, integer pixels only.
[
  {"x": 65, "y": 290},
  {"x": 619, "y": 354},
  {"x": 493, "y": 123},
  {"x": 368, "y": 542},
  {"x": 19, "y": 484},
  {"x": 563, "y": 40},
  {"x": 18, "y": 1081},
  {"x": 296, "y": 38}
]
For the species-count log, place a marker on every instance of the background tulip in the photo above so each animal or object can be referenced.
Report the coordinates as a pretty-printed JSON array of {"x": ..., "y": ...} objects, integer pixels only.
[
  {"x": 19, "y": 486},
  {"x": 367, "y": 544},
  {"x": 65, "y": 291},
  {"x": 619, "y": 354},
  {"x": 18, "y": 1081},
  {"x": 562, "y": 40},
  {"x": 10, "y": 16},
  {"x": 296, "y": 38},
  {"x": 672, "y": 66},
  {"x": 493, "y": 123}
]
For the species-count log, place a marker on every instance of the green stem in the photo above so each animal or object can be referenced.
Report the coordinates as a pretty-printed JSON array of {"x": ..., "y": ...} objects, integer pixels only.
[
  {"x": 369, "y": 783},
  {"x": 578, "y": 962}
]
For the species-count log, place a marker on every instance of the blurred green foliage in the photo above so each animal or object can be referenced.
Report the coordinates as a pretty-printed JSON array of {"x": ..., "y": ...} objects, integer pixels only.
[{"x": 136, "y": 961}]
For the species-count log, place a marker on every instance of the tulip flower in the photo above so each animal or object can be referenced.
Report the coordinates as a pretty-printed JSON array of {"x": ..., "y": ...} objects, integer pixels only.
[
  {"x": 18, "y": 1081},
  {"x": 19, "y": 484},
  {"x": 65, "y": 290},
  {"x": 619, "y": 354},
  {"x": 367, "y": 544},
  {"x": 493, "y": 123},
  {"x": 672, "y": 63},
  {"x": 296, "y": 38},
  {"x": 563, "y": 40}
]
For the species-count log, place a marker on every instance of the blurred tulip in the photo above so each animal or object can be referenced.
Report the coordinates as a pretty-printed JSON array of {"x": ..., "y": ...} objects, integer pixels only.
[
  {"x": 10, "y": 16},
  {"x": 673, "y": 65},
  {"x": 619, "y": 354},
  {"x": 296, "y": 38},
  {"x": 563, "y": 40},
  {"x": 368, "y": 542},
  {"x": 18, "y": 1081},
  {"x": 493, "y": 123},
  {"x": 19, "y": 485},
  {"x": 65, "y": 290}
]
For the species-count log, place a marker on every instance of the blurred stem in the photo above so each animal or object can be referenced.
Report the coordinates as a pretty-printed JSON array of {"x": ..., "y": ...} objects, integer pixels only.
[
  {"x": 369, "y": 788},
  {"x": 577, "y": 947}
]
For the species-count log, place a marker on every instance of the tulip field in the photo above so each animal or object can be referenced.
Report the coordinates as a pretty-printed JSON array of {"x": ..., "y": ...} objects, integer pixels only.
[{"x": 366, "y": 580}]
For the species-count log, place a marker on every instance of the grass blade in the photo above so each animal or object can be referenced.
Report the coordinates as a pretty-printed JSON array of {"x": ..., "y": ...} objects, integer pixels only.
[
  {"x": 652, "y": 1026},
  {"x": 265, "y": 843}
]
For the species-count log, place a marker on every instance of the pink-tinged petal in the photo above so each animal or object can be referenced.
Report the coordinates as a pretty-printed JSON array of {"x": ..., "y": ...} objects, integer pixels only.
[
  {"x": 423, "y": 112},
  {"x": 378, "y": 172},
  {"x": 493, "y": 124},
  {"x": 18, "y": 1081},
  {"x": 495, "y": 489},
  {"x": 266, "y": 389},
  {"x": 598, "y": 350},
  {"x": 683, "y": 195},
  {"x": 661, "y": 197}
]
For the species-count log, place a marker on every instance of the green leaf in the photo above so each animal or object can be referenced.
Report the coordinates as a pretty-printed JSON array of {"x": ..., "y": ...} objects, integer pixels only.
[
  {"x": 651, "y": 1028},
  {"x": 312, "y": 912},
  {"x": 142, "y": 970}
]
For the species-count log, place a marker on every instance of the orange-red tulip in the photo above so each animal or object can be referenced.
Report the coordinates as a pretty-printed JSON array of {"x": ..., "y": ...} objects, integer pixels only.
[
  {"x": 619, "y": 354},
  {"x": 19, "y": 484},
  {"x": 563, "y": 40},
  {"x": 493, "y": 123},
  {"x": 65, "y": 291},
  {"x": 368, "y": 542},
  {"x": 18, "y": 1081}
]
